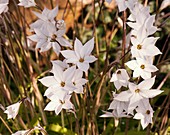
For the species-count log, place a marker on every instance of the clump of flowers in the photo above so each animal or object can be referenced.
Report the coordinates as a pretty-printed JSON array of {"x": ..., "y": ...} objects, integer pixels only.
[{"x": 134, "y": 102}]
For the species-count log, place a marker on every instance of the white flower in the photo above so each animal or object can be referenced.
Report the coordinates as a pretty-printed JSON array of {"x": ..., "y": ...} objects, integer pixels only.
[
  {"x": 136, "y": 93},
  {"x": 4, "y": 6},
  {"x": 57, "y": 104},
  {"x": 145, "y": 47},
  {"x": 21, "y": 132},
  {"x": 46, "y": 18},
  {"x": 141, "y": 68},
  {"x": 78, "y": 81},
  {"x": 61, "y": 81},
  {"x": 120, "y": 78},
  {"x": 27, "y": 3},
  {"x": 144, "y": 113},
  {"x": 49, "y": 38},
  {"x": 81, "y": 56},
  {"x": 13, "y": 110}
]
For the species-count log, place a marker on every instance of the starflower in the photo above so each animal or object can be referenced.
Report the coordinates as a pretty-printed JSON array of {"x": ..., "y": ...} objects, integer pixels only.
[
  {"x": 120, "y": 78},
  {"x": 49, "y": 38},
  {"x": 57, "y": 104},
  {"x": 141, "y": 68},
  {"x": 81, "y": 55},
  {"x": 61, "y": 81},
  {"x": 27, "y": 3},
  {"x": 4, "y": 6},
  {"x": 139, "y": 92},
  {"x": 145, "y": 47},
  {"x": 144, "y": 113},
  {"x": 13, "y": 110},
  {"x": 46, "y": 18}
]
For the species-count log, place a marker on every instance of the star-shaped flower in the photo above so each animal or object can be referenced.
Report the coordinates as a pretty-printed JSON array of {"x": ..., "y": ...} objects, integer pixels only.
[
  {"x": 62, "y": 80},
  {"x": 81, "y": 55},
  {"x": 144, "y": 113},
  {"x": 13, "y": 110},
  {"x": 138, "y": 92},
  {"x": 49, "y": 38},
  {"x": 58, "y": 103},
  {"x": 45, "y": 19},
  {"x": 141, "y": 68},
  {"x": 4, "y": 6},
  {"x": 27, "y": 3},
  {"x": 145, "y": 47},
  {"x": 120, "y": 78}
]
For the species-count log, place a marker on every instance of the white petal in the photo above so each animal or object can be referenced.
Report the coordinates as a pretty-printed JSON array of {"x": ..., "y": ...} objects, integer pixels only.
[
  {"x": 68, "y": 105},
  {"x": 131, "y": 64},
  {"x": 83, "y": 66},
  {"x": 147, "y": 84},
  {"x": 69, "y": 73},
  {"x": 123, "y": 96},
  {"x": 146, "y": 75},
  {"x": 69, "y": 54},
  {"x": 150, "y": 68},
  {"x": 137, "y": 72},
  {"x": 90, "y": 59},
  {"x": 88, "y": 47},
  {"x": 77, "y": 47},
  {"x": 58, "y": 73},
  {"x": 117, "y": 85},
  {"x": 53, "y": 13},
  {"x": 56, "y": 48},
  {"x": 152, "y": 51},
  {"x": 51, "y": 106},
  {"x": 150, "y": 93},
  {"x": 48, "y": 81},
  {"x": 58, "y": 109},
  {"x": 138, "y": 116},
  {"x": 64, "y": 42}
]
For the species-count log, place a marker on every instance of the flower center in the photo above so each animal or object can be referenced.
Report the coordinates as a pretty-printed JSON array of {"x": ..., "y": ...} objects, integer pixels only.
[
  {"x": 119, "y": 72},
  {"x": 53, "y": 38},
  {"x": 142, "y": 66},
  {"x": 81, "y": 60},
  {"x": 139, "y": 47},
  {"x": 74, "y": 83},
  {"x": 137, "y": 90},
  {"x": 148, "y": 112},
  {"x": 62, "y": 84},
  {"x": 62, "y": 102}
]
